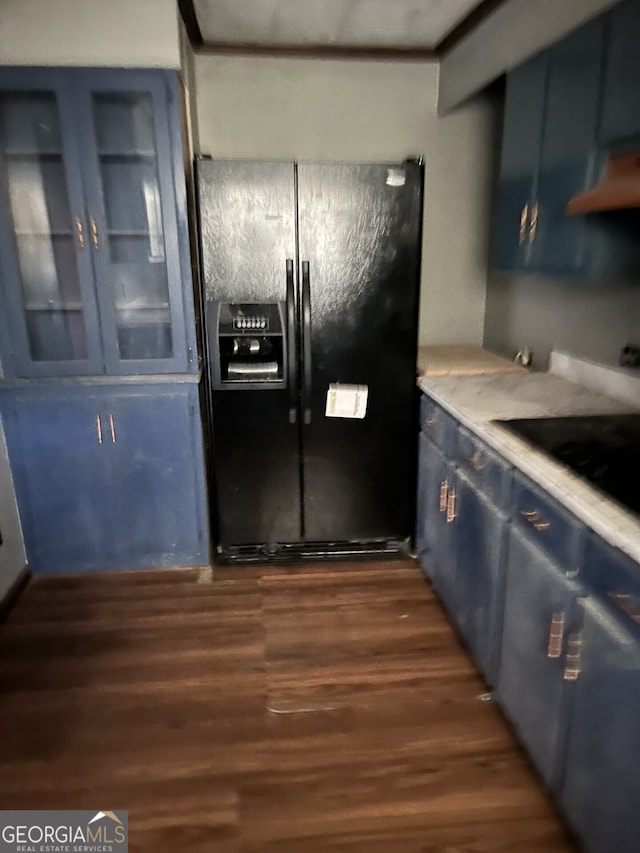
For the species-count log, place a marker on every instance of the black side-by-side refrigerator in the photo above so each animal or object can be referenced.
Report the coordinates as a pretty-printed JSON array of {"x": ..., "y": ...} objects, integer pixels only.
[{"x": 311, "y": 276}]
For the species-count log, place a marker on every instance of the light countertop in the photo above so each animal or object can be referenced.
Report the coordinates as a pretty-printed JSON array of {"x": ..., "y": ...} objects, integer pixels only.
[
  {"x": 462, "y": 360},
  {"x": 477, "y": 400}
]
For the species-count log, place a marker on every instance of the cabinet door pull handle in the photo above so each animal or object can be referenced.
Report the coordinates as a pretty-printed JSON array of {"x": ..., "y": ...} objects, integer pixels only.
[
  {"x": 556, "y": 635},
  {"x": 430, "y": 422},
  {"x": 451, "y": 507},
  {"x": 523, "y": 223},
  {"x": 94, "y": 233},
  {"x": 444, "y": 488},
  {"x": 99, "y": 428},
  {"x": 477, "y": 466},
  {"x": 542, "y": 525},
  {"x": 80, "y": 232},
  {"x": 112, "y": 427},
  {"x": 531, "y": 515},
  {"x": 533, "y": 228},
  {"x": 572, "y": 660}
]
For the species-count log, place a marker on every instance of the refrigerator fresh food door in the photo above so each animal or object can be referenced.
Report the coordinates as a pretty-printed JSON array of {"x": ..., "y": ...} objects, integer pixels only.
[
  {"x": 359, "y": 244},
  {"x": 248, "y": 251}
]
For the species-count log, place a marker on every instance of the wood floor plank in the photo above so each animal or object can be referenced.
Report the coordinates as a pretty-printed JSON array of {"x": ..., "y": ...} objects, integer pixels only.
[{"x": 310, "y": 708}]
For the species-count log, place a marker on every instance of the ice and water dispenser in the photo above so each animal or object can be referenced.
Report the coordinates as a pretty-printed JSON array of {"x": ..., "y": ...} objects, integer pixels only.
[{"x": 250, "y": 345}]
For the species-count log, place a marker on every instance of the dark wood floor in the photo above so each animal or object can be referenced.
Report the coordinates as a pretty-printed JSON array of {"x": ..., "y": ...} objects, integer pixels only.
[{"x": 322, "y": 708}]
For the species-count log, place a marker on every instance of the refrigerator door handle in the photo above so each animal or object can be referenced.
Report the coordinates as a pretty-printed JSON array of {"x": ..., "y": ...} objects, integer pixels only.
[
  {"x": 291, "y": 343},
  {"x": 306, "y": 339}
]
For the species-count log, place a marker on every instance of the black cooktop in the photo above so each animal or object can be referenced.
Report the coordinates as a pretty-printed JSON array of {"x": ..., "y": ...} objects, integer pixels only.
[{"x": 604, "y": 449}]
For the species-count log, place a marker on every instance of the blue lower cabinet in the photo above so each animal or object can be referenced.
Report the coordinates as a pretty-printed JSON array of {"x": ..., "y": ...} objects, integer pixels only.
[
  {"x": 61, "y": 478},
  {"x": 601, "y": 789},
  {"x": 158, "y": 513},
  {"x": 479, "y": 539},
  {"x": 538, "y": 615},
  {"x": 108, "y": 479},
  {"x": 434, "y": 533}
]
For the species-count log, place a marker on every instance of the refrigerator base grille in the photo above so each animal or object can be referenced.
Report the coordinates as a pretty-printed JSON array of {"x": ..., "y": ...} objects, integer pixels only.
[{"x": 305, "y": 551}]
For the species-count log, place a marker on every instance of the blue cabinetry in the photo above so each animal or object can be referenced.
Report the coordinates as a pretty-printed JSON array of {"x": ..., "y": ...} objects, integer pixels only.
[
  {"x": 108, "y": 477},
  {"x": 601, "y": 791},
  {"x": 480, "y": 539},
  {"x": 61, "y": 477},
  {"x": 94, "y": 265},
  {"x": 95, "y": 278},
  {"x": 433, "y": 529},
  {"x": 157, "y": 467},
  {"x": 521, "y": 575},
  {"x": 568, "y": 159},
  {"x": 562, "y": 109},
  {"x": 538, "y": 611},
  {"x": 460, "y": 532},
  {"x": 521, "y": 139},
  {"x": 621, "y": 96}
]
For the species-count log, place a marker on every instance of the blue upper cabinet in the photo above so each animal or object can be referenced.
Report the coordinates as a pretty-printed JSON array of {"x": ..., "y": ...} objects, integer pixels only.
[
  {"x": 564, "y": 110},
  {"x": 95, "y": 255},
  {"x": 48, "y": 294},
  {"x": 521, "y": 137},
  {"x": 559, "y": 243},
  {"x": 621, "y": 101},
  {"x": 128, "y": 176}
]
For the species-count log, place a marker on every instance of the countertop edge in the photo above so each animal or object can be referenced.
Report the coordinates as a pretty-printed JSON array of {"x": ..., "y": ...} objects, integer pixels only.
[{"x": 602, "y": 515}]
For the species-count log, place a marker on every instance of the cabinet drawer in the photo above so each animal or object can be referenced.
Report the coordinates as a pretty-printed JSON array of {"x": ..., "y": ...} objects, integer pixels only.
[
  {"x": 490, "y": 473},
  {"x": 615, "y": 577},
  {"x": 546, "y": 523},
  {"x": 438, "y": 425}
]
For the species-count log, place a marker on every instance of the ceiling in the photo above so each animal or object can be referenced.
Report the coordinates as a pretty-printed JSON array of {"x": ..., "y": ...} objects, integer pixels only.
[{"x": 330, "y": 24}]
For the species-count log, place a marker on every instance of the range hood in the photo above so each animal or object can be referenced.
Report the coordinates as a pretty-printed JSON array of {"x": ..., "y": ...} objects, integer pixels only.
[{"x": 618, "y": 189}]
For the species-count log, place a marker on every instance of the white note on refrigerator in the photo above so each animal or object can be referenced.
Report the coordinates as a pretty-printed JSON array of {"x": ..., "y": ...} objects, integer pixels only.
[{"x": 346, "y": 401}]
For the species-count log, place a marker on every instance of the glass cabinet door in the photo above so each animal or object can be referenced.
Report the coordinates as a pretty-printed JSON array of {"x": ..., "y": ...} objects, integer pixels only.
[
  {"x": 132, "y": 223},
  {"x": 45, "y": 256}
]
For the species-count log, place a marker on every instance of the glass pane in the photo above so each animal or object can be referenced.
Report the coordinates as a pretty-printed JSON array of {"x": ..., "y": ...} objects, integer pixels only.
[
  {"x": 126, "y": 142},
  {"x": 33, "y": 173}
]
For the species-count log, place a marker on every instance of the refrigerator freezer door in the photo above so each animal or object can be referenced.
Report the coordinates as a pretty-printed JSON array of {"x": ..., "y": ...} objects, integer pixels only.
[
  {"x": 360, "y": 234},
  {"x": 247, "y": 236}
]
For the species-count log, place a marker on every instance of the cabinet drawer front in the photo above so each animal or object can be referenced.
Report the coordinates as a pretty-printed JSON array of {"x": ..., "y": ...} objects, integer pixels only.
[
  {"x": 438, "y": 425},
  {"x": 616, "y": 578},
  {"x": 547, "y": 524},
  {"x": 490, "y": 473}
]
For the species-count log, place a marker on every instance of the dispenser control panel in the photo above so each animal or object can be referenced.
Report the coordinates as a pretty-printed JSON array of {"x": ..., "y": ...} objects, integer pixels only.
[
  {"x": 254, "y": 324},
  {"x": 246, "y": 318}
]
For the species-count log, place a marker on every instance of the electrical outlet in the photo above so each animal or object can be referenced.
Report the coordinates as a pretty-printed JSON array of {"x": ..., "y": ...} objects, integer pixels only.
[{"x": 630, "y": 355}]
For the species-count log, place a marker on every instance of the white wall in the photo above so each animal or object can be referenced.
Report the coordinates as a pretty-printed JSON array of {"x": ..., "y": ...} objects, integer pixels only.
[
  {"x": 318, "y": 109},
  {"x": 89, "y": 32},
  {"x": 592, "y": 319}
]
